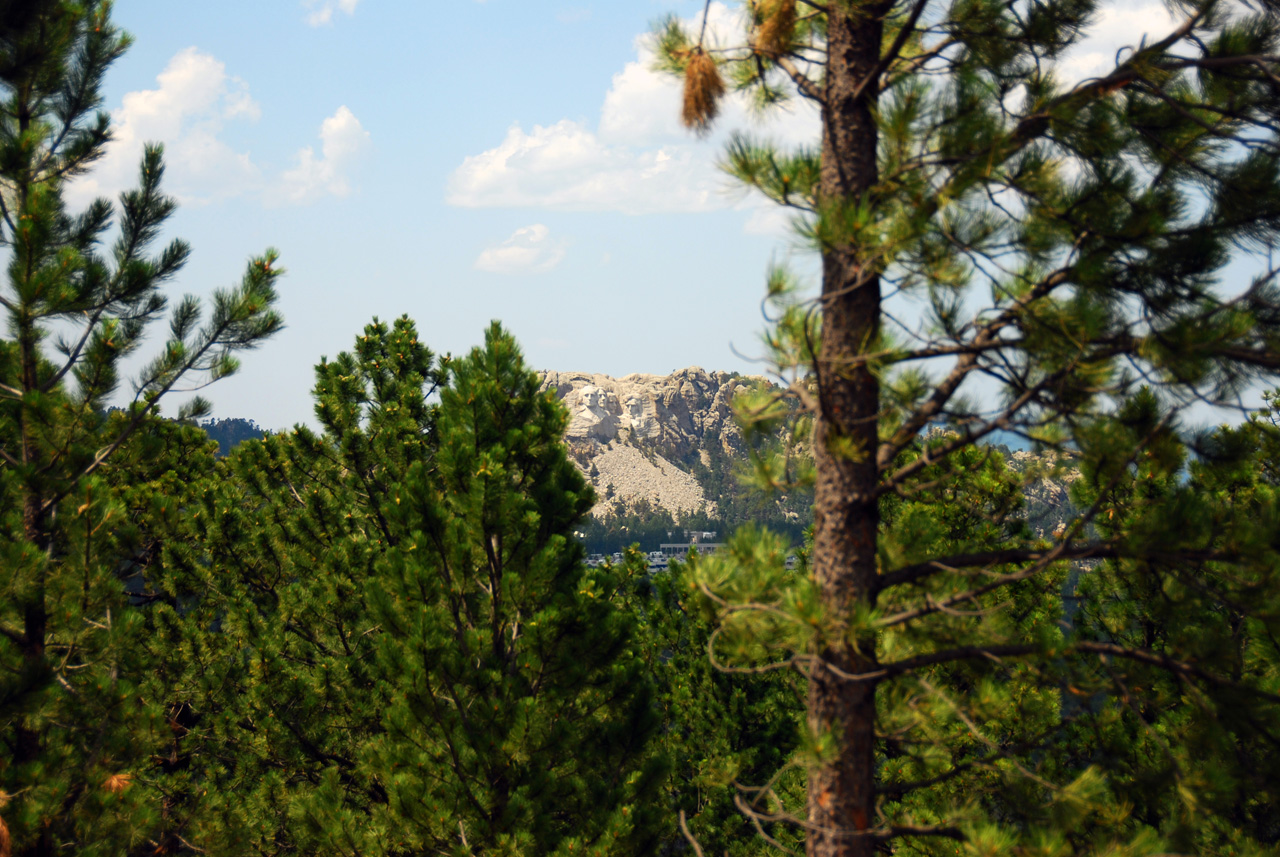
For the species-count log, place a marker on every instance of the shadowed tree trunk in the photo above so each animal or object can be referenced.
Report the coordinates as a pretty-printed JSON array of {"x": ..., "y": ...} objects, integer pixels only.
[{"x": 842, "y": 789}]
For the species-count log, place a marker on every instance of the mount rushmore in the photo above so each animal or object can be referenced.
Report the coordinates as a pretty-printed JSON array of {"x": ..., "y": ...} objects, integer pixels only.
[{"x": 638, "y": 436}]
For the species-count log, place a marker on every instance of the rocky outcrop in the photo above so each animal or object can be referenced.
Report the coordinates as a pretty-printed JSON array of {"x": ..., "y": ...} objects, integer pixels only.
[
  {"x": 1047, "y": 489},
  {"x": 638, "y": 435},
  {"x": 675, "y": 415},
  {"x": 642, "y": 437}
]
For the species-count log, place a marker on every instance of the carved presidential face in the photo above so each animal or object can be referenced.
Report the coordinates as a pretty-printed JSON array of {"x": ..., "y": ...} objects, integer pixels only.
[
  {"x": 635, "y": 407},
  {"x": 591, "y": 397}
]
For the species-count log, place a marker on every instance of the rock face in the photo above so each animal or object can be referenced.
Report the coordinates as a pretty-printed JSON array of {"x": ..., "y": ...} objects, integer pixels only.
[
  {"x": 643, "y": 437},
  {"x": 623, "y": 474},
  {"x": 676, "y": 414},
  {"x": 1047, "y": 489},
  {"x": 639, "y": 434}
]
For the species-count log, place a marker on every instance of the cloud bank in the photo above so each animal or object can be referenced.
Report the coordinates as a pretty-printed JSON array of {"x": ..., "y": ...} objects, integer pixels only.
[
  {"x": 529, "y": 250},
  {"x": 639, "y": 160},
  {"x": 566, "y": 167},
  {"x": 190, "y": 111},
  {"x": 342, "y": 138},
  {"x": 320, "y": 12}
]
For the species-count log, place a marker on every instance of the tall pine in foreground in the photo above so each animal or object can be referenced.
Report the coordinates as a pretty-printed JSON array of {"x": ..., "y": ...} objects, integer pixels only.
[
  {"x": 78, "y": 733},
  {"x": 1063, "y": 240}
]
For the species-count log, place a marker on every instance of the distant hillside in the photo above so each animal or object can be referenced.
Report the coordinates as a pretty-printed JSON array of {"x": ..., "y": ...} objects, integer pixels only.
[
  {"x": 230, "y": 431},
  {"x": 662, "y": 452}
]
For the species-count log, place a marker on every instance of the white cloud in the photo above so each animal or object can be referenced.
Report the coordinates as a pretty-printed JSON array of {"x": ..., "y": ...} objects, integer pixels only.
[
  {"x": 194, "y": 104},
  {"x": 320, "y": 12},
  {"x": 342, "y": 138},
  {"x": 1118, "y": 26},
  {"x": 194, "y": 100},
  {"x": 641, "y": 105},
  {"x": 639, "y": 160},
  {"x": 567, "y": 167},
  {"x": 529, "y": 250}
]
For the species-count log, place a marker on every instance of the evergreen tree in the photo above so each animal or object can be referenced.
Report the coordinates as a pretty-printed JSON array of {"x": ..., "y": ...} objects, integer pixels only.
[
  {"x": 520, "y": 718},
  {"x": 721, "y": 730},
  {"x": 735, "y": 717},
  {"x": 1065, "y": 240},
  {"x": 270, "y": 625},
  {"x": 1198, "y": 766},
  {"x": 230, "y": 431},
  {"x": 75, "y": 727},
  {"x": 390, "y": 643}
]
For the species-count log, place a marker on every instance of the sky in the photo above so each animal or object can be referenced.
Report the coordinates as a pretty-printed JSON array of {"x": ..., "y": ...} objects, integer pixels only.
[{"x": 457, "y": 161}]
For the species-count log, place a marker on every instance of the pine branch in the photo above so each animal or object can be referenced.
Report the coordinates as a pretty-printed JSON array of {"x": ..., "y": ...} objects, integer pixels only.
[
  {"x": 904, "y": 34},
  {"x": 971, "y": 435},
  {"x": 954, "y": 564},
  {"x": 693, "y": 843},
  {"x": 995, "y": 653},
  {"x": 986, "y": 338},
  {"x": 880, "y": 834},
  {"x": 807, "y": 87},
  {"x": 1039, "y": 565}
]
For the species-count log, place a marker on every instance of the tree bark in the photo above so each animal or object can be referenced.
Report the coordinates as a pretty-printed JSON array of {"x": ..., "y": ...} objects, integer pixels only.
[{"x": 841, "y": 799}]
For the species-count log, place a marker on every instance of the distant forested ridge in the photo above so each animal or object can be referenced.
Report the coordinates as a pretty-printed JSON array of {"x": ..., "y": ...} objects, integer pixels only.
[{"x": 230, "y": 431}]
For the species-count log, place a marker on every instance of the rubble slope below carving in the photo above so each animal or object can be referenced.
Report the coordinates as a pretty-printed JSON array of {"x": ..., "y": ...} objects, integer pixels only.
[{"x": 624, "y": 475}]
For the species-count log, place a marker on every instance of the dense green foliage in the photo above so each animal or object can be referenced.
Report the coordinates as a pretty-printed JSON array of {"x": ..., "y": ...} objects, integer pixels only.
[
  {"x": 380, "y": 637},
  {"x": 389, "y": 634},
  {"x": 84, "y": 496},
  {"x": 1008, "y": 245}
]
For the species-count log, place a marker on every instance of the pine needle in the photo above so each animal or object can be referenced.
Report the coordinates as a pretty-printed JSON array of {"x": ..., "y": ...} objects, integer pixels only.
[{"x": 703, "y": 89}]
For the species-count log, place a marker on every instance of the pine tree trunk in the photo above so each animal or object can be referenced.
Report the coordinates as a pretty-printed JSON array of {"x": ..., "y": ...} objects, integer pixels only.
[{"x": 842, "y": 790}]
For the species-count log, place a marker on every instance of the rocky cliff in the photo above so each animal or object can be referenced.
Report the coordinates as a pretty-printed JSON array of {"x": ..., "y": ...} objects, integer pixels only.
[
  {"x": 670, "y": 442},
  {"x": 639, "y": 436}
]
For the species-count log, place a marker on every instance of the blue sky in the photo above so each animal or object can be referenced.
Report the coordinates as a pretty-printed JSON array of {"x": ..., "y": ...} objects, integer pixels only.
[{"x": 458, "y": 161}]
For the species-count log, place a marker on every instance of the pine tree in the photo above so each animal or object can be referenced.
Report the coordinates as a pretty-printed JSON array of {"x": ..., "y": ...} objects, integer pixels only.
[
  {"x": 520, "y": 719},
  {"x": 269, "y": 624},
  {"x": 1200, "y": 765},
  {"x": 726, "y": 592},
  {"x": 720, "y": 730},
  {"x": 76, "y": 730},
  {"x": 388, "y": 639},
  {"x": 1065, "y": 241}
]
